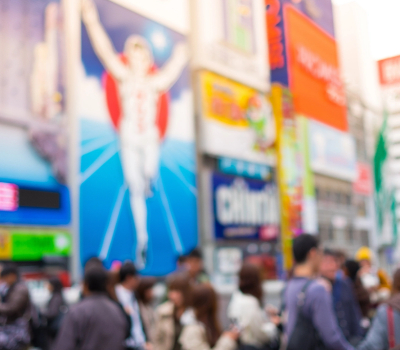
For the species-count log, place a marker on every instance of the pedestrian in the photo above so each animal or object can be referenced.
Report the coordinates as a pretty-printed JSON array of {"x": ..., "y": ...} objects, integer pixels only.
[
  {"x": 125, "y": 291},
  {"x": 385, "y": 330},
  {"x": 15, "y": 311},
  {"x": 202, "y": 330},
  {"x": 247, "y": 312},
  {"x": 346, "y": 307},
  {"x": 311, "y": 322},
  {"x": 145, "y": 298},
  {"x": 96, "y": 322},
  {"x": 168, "y": 315},
  {"x": 195, "y": 267},
  {"x": 55, "y": 310}
]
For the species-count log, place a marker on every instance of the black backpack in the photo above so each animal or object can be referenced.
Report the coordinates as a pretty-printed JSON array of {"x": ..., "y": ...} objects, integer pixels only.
[{"x": 304, "y": 336}]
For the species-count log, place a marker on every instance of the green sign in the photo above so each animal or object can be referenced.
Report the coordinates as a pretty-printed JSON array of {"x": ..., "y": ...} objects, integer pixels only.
[{"x": 31, "y": 246}]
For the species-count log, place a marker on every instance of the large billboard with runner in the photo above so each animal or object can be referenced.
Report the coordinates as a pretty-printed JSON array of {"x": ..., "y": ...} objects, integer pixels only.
[{"x": 138, "y": 164}]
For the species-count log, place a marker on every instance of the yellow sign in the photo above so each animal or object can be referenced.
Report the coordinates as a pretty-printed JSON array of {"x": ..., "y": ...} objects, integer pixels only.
[{"x": 5, "y": 245}]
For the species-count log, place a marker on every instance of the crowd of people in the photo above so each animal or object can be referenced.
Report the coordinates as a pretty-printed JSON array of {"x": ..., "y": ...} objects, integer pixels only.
[{"x": 329, "y": 302}]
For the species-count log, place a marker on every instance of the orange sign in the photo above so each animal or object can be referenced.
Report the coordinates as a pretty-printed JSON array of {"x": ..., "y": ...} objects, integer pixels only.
[{"x": 314, "y": 74}]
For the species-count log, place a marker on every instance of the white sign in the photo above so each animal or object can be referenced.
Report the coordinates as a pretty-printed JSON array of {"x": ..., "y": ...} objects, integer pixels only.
[
  {"x": 174, "y": 14},
  {"x": 230, "y": 39}
]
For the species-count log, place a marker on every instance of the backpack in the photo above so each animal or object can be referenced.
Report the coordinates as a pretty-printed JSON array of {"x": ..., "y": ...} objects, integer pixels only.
[{"x": 305, "y": 336}]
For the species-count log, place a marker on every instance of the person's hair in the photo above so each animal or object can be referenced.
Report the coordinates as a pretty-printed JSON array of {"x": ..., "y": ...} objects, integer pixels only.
[
  {"x": 145, "y": 284},
  {"x": 56, "y": 284},
  {"x": 93, "y": 262},
  {"x": 352, "y": 267},
  {"x": 396, "y": 282},
  {"x": 181, "y": 282},
  {"x": 181, "y": 259},
  {"x": 302, "y": 245},
  {"x": 330, "y": 252},
  {"x": 96, "y": 279},
  {"x": 127, "y": 270},
  {"x": 10, "y": 269},
  {"x": 205, "y": 305},
  {"x": 195, "y": 253},
  {"x": 250, "y": 281}
]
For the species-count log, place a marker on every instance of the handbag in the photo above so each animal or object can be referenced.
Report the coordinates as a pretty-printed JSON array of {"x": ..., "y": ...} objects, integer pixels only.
[{"x": 15, "y": 336}]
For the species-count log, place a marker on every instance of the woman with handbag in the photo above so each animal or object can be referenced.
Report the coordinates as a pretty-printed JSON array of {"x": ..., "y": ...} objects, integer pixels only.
[
  {"x": 258, "y": 331},
  {"x": 385, "y": 330}
]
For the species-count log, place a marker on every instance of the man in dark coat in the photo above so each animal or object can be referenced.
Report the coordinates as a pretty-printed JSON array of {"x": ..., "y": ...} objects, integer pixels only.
[{"x": 96, "y": 322}]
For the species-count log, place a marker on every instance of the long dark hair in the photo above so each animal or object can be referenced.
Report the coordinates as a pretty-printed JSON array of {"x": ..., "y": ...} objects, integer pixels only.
[
  {"x": 205, "y": 304},
  {"x": 181, "y": 282},
  {"x": 56, "y": 285},
  {"x": 250, "y": 281},
  {"x": 145, "y": 284}
]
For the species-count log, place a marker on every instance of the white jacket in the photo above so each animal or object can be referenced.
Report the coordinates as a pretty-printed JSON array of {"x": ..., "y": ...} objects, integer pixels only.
[{"x": 256, "y": 329}]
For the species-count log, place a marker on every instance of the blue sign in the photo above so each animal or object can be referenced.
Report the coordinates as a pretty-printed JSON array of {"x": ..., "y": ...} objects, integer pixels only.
[
  {"x": 243, "y": 168},
  {"x": 244, "y": 208}
]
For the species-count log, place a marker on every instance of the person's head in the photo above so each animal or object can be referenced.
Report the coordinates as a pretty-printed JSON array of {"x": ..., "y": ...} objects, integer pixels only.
[
  {"x": 180, "y": 291},
  {"x": 396, "y": 282},
  {"x": 341, "y": 258},
  {"x": 181, "y": 262},
  {"x": 306, "y": 251},
  {"x": 139, "y": 55},
  {"x": 250, "y": 281},
  {"x": 128, "y": 276},
  {"x": 364, "y": 257},
  {"x": 329, "y": 265},
  {"x": 10, "y": 274},
  {"x": 205, "y": 305},
  {"x": 351, "y": 268},
  {"x": 55, "y": 286},
  {"x": 93, "y": 262},
  {"x": 194, "y": 263},
  {"x": 95, "y": 281},
  {"x": 144, "y": 292}
]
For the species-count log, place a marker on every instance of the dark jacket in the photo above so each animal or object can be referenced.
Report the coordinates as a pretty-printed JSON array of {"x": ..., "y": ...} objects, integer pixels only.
[
  {"x": 16, "y": 302},
  {"x": 347, "y": 309},
  {"x": 53, "y": 307},
  {"x": 96, "y": 323}
]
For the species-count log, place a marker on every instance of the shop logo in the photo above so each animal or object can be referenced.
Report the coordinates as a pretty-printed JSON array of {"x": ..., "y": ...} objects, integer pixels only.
[{"x": 275, "y": 34}]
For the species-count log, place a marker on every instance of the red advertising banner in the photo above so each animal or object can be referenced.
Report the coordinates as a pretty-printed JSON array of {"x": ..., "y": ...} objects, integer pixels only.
[
  {"x": 389, "y": 71},
  {"x": 363, "y": 183}
]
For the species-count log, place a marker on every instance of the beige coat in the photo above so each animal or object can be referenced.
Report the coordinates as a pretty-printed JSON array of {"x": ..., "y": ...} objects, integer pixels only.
[
  {"x": 164, "y": 332},
  {"x": 194, "y": 337},
  {"x": 148, "y": 320}
]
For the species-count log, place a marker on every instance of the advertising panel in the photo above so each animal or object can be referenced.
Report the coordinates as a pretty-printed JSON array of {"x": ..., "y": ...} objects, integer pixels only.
[
  {"x": 245, "y": 208},
  {"x": 237, "y": 121},
  {"x": 363, "y": 184},
  {"x": 314, "y": 74},
  {"x": 332, "y": 152},
  {"x": 174, "y": 14},
  {"x": 33, "y": 133},
  {"x": 230, "y": 39},
  {"x": 138, "y": 185},
  {"x": 389, "y": 71}
]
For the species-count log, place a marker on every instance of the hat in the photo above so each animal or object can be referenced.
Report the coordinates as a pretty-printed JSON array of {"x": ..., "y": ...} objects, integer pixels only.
[{"x": 364, "y": 253}]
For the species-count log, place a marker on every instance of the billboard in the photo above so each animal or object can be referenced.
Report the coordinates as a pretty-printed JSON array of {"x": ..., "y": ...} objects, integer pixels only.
[
  {"x": 332, "y": 152},
  {"x": 237, "y": 121},
  {"x": 244, "y": 208},
  {"x": 230, "y": 39},
  {"x": 318, "y": 11},
  {"x": 33, "y": 123},
  {"x": 314, "y": 74},
  {"x": 138, "y": 159}
]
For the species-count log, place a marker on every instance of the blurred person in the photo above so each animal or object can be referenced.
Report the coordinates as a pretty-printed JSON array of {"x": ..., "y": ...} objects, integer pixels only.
[
  {"x": 195, "y": 267},
  {"x": 15, "y": 311},
  {"x": 309, "y": 313},
  {"x": 168, "y": 315},
  {"x": 145, "y": 298},
  {"x": 96, "y": 322},
  {"x": 376, "y": 281},
  {"x": 125, "y": 291},
  {"x": 351, "y": 268},
  {"x": 385, "y": 330},
  {"x": 139, "y": 90},
  {"x": 55, "y": 310},
  {"x": 347, "y": 309},
  {"x": 201, "y": 328},
  {"x": 246, "y": 311},
  {"x": 181, "y": 264}
]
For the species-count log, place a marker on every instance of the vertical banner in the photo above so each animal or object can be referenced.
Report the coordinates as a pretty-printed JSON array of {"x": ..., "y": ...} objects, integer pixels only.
[
  {"x": 138, "y": 185},
  {"x": 289, "y": 173}
]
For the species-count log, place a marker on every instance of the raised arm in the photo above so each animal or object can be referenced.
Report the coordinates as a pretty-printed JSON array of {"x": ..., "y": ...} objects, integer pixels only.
[
  {"x": 101, "y": 43},
  {"x": 171, "y": 71}
]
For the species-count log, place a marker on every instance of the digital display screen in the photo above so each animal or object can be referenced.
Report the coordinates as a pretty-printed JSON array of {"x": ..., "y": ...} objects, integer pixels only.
[{"x": 13, "y": 197}]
